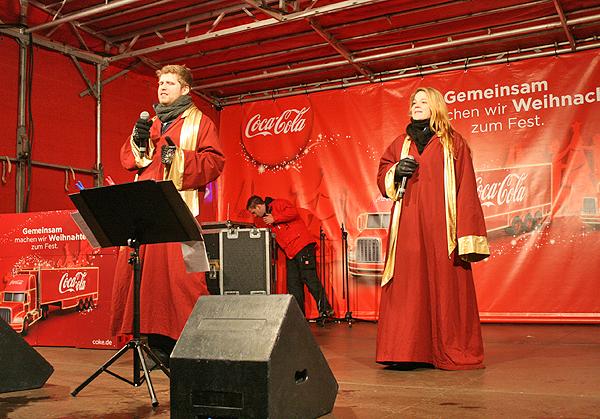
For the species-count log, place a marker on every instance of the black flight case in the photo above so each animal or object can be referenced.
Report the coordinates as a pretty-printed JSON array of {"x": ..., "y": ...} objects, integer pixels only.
[{"x": 241, "y": 258}]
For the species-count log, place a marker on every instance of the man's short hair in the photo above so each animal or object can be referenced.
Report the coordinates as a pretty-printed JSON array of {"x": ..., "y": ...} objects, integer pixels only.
[
  {"x": 253, "y": 201},
  {"x": 184, "y": 74}
]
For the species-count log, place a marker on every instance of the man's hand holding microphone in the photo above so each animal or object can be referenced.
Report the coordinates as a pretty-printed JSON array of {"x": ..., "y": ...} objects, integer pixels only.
[
  {"x": 141, "y": 132},
  {"x": 404, "y": 170}
]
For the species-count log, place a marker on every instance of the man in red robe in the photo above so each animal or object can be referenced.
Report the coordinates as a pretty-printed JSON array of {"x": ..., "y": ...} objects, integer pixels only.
[
  {"x": 428, "y": 311},
  {"x": 168, "y": 292}
]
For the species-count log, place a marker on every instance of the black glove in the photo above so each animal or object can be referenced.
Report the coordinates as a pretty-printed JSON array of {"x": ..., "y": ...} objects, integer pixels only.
[
  {"x": 405, "y": 168},
  {"x": 141, "y": 132}
]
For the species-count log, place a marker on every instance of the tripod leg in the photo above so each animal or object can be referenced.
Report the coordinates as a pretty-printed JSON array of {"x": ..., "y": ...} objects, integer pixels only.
[
  {"x": 100, "y": 370},
  {"x": 156, "y": 359},
  {"x": 147, "y": 376}
]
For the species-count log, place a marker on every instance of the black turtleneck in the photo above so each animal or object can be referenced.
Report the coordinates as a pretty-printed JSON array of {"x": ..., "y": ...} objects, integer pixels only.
[{"x": 420, "y": 132}]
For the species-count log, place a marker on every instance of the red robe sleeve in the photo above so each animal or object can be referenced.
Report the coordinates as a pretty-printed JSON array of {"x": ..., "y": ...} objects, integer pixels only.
[{"x": 470, "y": 223}]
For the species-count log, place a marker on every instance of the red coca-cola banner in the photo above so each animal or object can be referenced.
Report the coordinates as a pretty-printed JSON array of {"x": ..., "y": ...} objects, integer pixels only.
[
  {"x": 535, "y": 138},
  {"x": 55, "y": 289}
]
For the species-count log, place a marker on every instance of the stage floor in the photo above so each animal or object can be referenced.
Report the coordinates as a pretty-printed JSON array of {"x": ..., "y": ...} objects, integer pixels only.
[{"x": 531, "y": 371}]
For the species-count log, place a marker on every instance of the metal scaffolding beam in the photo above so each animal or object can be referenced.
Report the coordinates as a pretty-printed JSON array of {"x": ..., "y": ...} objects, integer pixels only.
[
  {"x": 405, "y": 51},
  {"x": 335, "y": 7}
]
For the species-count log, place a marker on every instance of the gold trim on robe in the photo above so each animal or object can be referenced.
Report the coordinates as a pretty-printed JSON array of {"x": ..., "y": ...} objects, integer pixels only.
[
  {"x": 473, "y": 248},
  {"x": 392, "y": 190},
  {"x": 450, "y": 198},
  {"x": 187, "y": 141}
]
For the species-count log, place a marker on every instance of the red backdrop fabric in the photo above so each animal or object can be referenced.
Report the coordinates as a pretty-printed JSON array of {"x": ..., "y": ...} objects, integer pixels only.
[{"x": 535, "y": 137}]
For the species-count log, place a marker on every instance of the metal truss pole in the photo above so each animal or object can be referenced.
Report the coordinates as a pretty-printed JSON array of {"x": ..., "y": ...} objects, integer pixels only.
[
  {"x": 23, "y": 144},
  {"x": 99, "y": 176}
]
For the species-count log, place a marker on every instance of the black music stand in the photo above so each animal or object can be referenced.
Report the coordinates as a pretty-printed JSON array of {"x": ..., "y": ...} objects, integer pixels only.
[{"x": 133, "y": 214}]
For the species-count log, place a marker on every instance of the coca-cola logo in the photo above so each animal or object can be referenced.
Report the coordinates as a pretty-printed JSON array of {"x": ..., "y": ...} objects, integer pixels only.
[
  {"x": 72, "y": 283},
  {"x": 16, "y": 282},
  {"x": 509, "y": 190},
  {"x": 289, "y": 121},
  {"x": 276, "y": 133}
]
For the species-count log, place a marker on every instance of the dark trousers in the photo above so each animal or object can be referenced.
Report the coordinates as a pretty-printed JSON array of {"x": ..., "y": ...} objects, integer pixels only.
[{"x": 302, "y": 269}]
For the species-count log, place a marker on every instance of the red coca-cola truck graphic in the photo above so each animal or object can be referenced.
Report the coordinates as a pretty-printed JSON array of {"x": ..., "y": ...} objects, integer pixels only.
[
  {"x": 590, "y": 211},
  {"x": 515, "y": 200},
  {"x": 29, "y": 294},
  {"x": 366, "y": 256}
]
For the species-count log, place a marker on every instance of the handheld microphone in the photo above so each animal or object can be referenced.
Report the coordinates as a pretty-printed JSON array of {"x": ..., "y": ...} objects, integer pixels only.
[
  {"x": 402, "y": 188},
  {"x": 144, "y": 115}
]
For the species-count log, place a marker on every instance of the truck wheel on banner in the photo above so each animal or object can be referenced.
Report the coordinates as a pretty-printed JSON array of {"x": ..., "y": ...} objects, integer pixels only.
[
  {"x": 529, "y": 223},
  {"x": 44, "y": 310},
  {"x": 538, "y": 219},
  {"x": 515, "y": 226},
  {"x": 25, "y": 326},
  {"x": 80, "y": 306}
]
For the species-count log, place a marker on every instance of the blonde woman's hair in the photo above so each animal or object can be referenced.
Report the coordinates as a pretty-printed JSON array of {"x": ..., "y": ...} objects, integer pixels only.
[
  {"x": 439, "y": 121},
  {"x": 184, "y": 74}
]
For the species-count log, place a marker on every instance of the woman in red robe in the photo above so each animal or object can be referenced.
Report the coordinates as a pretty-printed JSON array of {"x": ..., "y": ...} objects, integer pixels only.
[
  {"x": 168, "y": 292},
  {"x": 428, "y": 311}
]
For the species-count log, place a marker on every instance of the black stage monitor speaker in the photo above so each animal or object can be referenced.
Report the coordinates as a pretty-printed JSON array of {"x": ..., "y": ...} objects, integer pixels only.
[
  {"x": 21, "y": 367},
  {"x": 249, "y": 356}
]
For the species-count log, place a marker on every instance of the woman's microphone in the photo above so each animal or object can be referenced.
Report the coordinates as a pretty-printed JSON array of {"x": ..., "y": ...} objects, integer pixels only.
[{"x": 402, "y": 188}]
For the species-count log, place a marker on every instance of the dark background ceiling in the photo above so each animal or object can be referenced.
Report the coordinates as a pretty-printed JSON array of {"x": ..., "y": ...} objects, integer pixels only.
[{"x": 243, "y": 50}]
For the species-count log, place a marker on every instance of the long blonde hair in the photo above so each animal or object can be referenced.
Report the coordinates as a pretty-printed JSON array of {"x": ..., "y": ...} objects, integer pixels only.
[{"x": 439, "y": 121}]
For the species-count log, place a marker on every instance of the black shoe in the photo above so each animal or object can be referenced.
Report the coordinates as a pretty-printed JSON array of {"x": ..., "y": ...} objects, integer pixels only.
[
  {"x": 161, "y": 355},
  {"x": 329, "y": 313}
]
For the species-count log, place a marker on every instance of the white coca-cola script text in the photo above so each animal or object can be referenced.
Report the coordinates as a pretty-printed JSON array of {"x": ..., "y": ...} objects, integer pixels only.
[
  {"x": 508, "y": 190},
  {"x": 72, "y": 283},
  {"x": 290, "y": 121}
]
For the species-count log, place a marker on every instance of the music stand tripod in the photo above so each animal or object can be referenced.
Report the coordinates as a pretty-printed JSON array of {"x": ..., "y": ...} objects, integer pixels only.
[{"x": 133, "y": 214}]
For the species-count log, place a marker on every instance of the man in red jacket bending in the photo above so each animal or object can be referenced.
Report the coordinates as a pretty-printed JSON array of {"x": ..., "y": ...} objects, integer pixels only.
[{"x": 292, "y": 235}]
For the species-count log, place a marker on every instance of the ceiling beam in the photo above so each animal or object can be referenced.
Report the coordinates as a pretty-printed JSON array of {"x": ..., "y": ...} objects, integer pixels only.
[
  {"x": 265, "y": 9},
  {"x": 83, "y": 13},
  {"x": 56, "y": 46},
  {"x": 563, "y": 22},
  {"x": 480, "y": 38},
  {"x": 424, "y": 26},
  {"x": 336, "y": 45},
  {"x": 405, "y": 51},
  {"x": 50, "y": 11},
  {"x": 121, "y": 13},
  {"x": 331, "y": 8},
  {"x": 167, "y": 22},
  {"x": 415, "y": 71}
]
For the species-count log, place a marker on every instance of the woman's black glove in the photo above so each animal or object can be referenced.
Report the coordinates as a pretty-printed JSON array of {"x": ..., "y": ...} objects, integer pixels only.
[{"x": 405, "y": 168}]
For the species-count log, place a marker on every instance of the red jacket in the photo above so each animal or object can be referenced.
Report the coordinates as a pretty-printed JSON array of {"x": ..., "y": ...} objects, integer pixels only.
[{"x": 291, "y": 234}]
